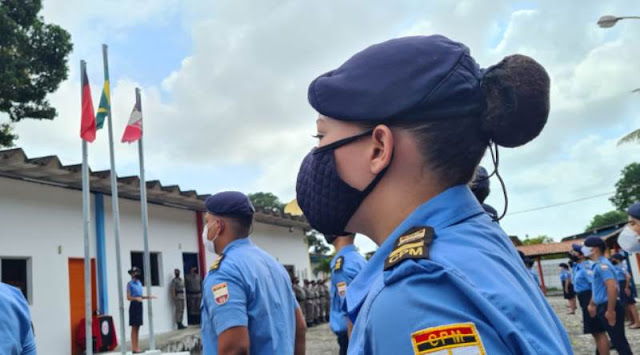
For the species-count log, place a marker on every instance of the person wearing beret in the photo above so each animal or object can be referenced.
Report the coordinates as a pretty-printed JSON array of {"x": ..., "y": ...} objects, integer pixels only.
[
  {"x": 481, "y": 188},
  {"x": 604, "y": 304},
  {"x": 135, "y": 296},
  {"x": 402, "y": 126},
  {"x": 582, "y": 279},
  {"x": 567, "y": 287},
  {"x": 624, "y": 287},
  {"x": 345, "y": 265},
  {"x": 248, "y": 304}
]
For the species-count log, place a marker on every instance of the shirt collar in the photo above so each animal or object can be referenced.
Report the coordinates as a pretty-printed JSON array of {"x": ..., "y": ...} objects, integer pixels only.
[
  {"x": 236, "y": 244},
  {"x": 342, "y": 252},
  {"x": 449, "y": 207}
]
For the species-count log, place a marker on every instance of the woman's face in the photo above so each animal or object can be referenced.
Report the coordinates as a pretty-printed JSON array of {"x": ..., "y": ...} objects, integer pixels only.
[
  {"x": 634, "y": 224},
  {"x": 352, "y": 160}
]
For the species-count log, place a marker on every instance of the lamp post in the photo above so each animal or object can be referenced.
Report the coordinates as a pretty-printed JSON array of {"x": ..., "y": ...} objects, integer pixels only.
[{"x": 609, "y": 21}]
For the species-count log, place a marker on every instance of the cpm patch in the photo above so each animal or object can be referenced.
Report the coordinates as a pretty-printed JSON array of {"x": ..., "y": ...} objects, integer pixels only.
[
  {"x": 216, "y": 263},
  {"x": 414, "y": 244},
  {"x": 220, "y": 293},
  {"x": 339, "y": 262},
  {"x": 461, "y": 338},
  {"x": 342, "y": 288}
]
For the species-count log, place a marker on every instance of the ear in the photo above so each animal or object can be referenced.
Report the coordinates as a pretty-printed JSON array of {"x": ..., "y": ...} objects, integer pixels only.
[{"x": 382, "y": 148}]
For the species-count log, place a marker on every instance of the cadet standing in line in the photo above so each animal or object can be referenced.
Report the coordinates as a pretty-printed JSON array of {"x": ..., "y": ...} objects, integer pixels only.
[
  {"x": 402, "y": 127},
  {"x": 624, "y": 281},
  {"x": 583, "y": 279},
  {"x": 193, "y": 285},
  {"x": 324, "y": 296},
  {"x": 604, "y": 302},
  {"x": 177, "y": 296},
  {"x": 301, "y": 296},
  {"x": 529, "y": 263},
  {"x": 345, "y": 265},
  {"x": 315, "y": 297},
  {"x": 309, "y": 303},
  {"x": 248, "y": 305},
  {"x": 327, "y": 300},
  {"x": 567, "y": 287},
  {"x": 16, "y": 330}
]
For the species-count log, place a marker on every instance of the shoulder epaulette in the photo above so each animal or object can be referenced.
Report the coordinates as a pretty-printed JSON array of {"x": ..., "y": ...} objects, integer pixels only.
[
  {"x": 338, "y": 265},
  {"x": 216, "y": 264},
  {"x": 413, "y": 244}
]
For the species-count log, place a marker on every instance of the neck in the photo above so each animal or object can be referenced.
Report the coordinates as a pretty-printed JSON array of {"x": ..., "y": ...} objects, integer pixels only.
[
  {"x": 340, "y": 243},
  {"x": 225, "y": 240}
]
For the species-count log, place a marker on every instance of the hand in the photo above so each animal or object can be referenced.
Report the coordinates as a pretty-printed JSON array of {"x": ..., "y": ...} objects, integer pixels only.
[
  {"x": 611, "y": 317},
  {"x": 628, "y": 291},
  {"x": 592, "y": 310}
]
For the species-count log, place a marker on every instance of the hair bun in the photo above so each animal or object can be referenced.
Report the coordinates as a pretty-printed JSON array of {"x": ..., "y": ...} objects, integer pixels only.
[{"x": 517, "y": 95}]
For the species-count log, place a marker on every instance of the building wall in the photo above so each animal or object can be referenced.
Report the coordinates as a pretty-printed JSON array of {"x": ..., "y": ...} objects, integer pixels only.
[{"x": 45, "y": 223}]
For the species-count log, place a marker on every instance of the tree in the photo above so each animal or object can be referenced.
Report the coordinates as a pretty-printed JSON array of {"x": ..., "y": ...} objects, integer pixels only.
[
  {"x": 33, "y": 58},
  {"x": 323, "y": 266},
  {"x": 627, "y": 188},
  {"x": 316, "y": 241},
  {"x": 541, "y": 239},
  {"x": 266, "y": 200},
  {"x": 606, "y": 219}
]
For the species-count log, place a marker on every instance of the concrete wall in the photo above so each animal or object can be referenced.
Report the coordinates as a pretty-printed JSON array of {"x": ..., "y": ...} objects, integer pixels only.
[{"x": 44, "y": 223}]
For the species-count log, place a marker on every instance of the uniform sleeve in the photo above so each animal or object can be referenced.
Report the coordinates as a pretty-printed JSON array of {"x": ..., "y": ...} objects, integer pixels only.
[
  {"x": 26, "y": 328},
  {"x": 605, "y": 272},
  {"x": 129, "y": 290},
  {"x": 226, "y": 301}
]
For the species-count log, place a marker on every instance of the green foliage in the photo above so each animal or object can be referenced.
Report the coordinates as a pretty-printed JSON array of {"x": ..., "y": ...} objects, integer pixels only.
[
  {"x": 266, "y": 200},
  {"x": 33, "y": 58},
  {"x": 627, "y": 188},
  {"x": 315, "y": 241},
  {"x": 323, "y": 266},
  {"x": 541, "y": 239},
  {"x": 606, "y": 219},
  {"x": 631, "y": 137}
]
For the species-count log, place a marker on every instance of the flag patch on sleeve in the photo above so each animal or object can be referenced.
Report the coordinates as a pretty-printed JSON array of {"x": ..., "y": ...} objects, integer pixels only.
[
  {"x": 342, "y": 288},
  {"x": 461, "y": 338},
  {"x": 220, "y": 293}
]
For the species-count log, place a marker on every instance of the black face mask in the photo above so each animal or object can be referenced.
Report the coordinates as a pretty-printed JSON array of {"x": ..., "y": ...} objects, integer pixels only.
[{"x": 327, "y": 201}]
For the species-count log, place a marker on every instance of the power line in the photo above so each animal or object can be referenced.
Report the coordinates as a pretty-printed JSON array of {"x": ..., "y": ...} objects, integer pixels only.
[{"x": 560, "y": 203}]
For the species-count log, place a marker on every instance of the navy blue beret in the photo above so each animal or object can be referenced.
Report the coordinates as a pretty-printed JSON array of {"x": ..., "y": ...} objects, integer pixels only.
[
  {"x": 617, "y": 256},
  {"x": 577, "y": 248},
  {"x": 594, "y": 242},
  {"x": 634, "y": 210},
  {"x": 409, "y": 78},
  {"x": 229, "y": 203},
  {"x": 480, "y": 180}
]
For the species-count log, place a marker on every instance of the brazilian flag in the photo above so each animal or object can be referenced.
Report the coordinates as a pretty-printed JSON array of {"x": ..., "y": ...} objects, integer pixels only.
[{"x": 105, "y": 105}]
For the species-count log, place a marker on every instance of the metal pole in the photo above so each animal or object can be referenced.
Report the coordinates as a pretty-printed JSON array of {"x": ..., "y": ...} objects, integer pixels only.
[
  {"x": 145, "y": 230},
  {"x": 115, "y": 207},
  {"x": 87, "y": 241}
]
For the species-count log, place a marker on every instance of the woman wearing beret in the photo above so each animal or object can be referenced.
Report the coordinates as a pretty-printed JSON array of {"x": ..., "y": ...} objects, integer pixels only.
[
  {"x": 134, "y": 295},
  {"x": 402, "y": 127}
]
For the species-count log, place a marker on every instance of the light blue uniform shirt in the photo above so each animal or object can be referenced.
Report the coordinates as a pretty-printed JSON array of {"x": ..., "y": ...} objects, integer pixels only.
[
  {"x": 621, "y": 272},
  {"x": 472, "y": 292},
  {"x": 603, "y": 270},
  {"x": 249, "y": 288},
  {"x": 134, "y": 287},
  {"x": 16, "y": 333},
  {"x": 564, "y": 276},
  {"x": 342, "y": 273},
  {"x": 534, "y": 274},
  {"x": 582, "y": 277}
]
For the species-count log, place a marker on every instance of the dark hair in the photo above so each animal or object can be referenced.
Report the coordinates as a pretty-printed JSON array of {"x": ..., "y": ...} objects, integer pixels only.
[
  {"x": 516, "y": 110},
  {"x": 564, "y": 266},
  {"x": 481, "y": 194}
]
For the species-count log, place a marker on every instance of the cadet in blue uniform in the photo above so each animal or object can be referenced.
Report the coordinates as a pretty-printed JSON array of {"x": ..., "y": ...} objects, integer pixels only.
[
  {"x": 567, "y": 287},
  {"x": 624, "y": 281},
  {"x": 480, "y": 187},
  {"x": 135, "y": 296},
  {"x": 248, "y": 304},
  {"x": 604, "y": 301},
  {"x": 534, "y": 274},
  {"x": 402, "y": 127},
  {"x": 582, "y": 280},
  {"x": 345, "y": 265},
  {"x": 16, "y": 331}
]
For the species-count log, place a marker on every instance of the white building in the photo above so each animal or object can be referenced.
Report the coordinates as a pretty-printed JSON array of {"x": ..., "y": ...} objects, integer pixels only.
[{"x": 42, "y": 250}]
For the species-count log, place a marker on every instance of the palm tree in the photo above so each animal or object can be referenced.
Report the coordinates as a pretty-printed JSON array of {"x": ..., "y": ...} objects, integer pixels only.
[{"x": 633, "y": 136}]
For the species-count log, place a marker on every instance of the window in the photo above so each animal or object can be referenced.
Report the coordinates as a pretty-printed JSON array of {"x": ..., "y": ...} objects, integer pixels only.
[
  {"x": 17, "y": 272},
  {"x": 137, "y": 259}
]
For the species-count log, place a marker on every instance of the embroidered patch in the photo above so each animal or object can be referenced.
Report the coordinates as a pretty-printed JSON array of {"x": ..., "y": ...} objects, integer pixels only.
[
  {"x": 461, "y": 338},
  {"x": 338, "y": 265},
  {"x": 216, "y": 263},
  {"x": 414, "y": 244},
  {"x": 220, "y": 293},
  {"x": 604, "y": 266},
  {"x": 342, "y": 288}
]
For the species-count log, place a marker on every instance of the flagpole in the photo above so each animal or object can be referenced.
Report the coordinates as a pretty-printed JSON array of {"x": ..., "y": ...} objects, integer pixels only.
[
  {"x": 115, "y": 207},
  {"x": 145, "y": 229},
  {"x": 87, "y": 249}
]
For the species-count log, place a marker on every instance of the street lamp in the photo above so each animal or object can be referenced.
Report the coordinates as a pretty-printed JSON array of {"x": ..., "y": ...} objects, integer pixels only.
[{"x": 609, "y": 21}]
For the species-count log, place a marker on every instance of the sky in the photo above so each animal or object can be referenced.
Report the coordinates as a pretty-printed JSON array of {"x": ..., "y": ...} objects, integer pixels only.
[{"x": 224, "y": 87}]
